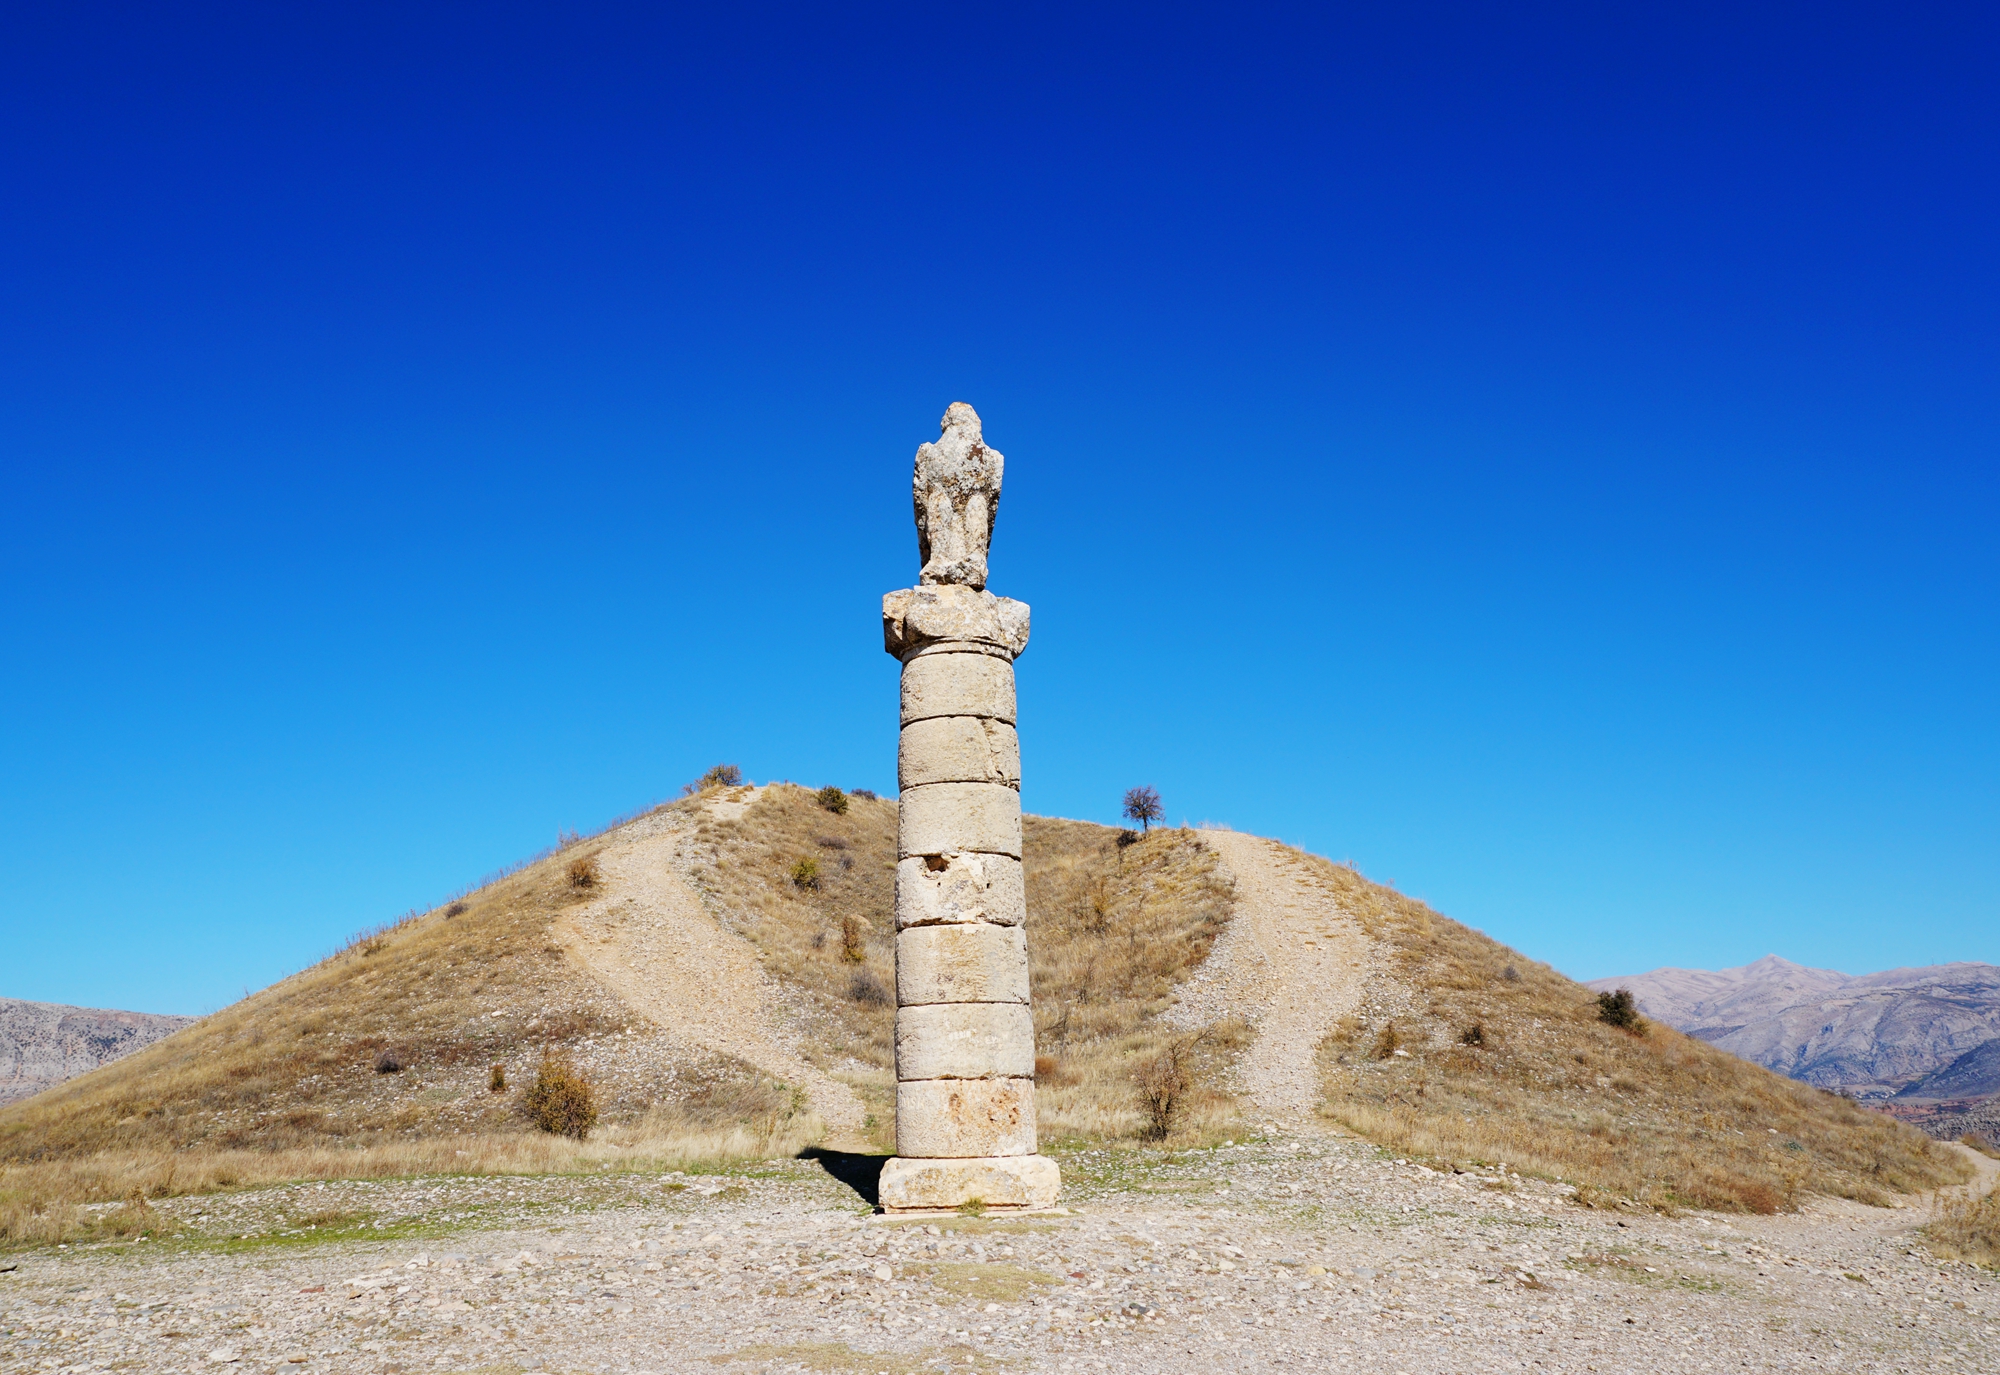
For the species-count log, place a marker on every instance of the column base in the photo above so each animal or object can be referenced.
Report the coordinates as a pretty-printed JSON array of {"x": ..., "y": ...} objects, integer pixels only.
[{"x": 1006, "y": 1183}]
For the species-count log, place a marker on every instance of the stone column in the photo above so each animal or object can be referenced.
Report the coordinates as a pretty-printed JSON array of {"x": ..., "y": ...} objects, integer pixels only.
[{"x": 965, "y": 1038}]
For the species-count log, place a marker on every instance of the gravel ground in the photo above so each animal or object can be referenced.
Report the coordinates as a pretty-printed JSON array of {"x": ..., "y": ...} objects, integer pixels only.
[{"x": 1283, "y": 1253}]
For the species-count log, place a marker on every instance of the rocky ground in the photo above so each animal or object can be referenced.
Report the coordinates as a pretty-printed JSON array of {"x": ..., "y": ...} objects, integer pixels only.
[{"x": 1282, "y": 1253}]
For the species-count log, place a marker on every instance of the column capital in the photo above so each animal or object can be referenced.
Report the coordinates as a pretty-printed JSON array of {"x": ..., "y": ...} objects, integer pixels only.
[{"x": 917, "y": 620}]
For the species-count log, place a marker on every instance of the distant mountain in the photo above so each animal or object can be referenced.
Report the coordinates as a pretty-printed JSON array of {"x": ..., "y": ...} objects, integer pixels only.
[
  {"x": 1926, "y": 1033},
  {"x": 42, "y": 1044}
]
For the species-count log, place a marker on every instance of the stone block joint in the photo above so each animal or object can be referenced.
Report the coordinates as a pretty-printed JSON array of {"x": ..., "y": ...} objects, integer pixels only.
[{"x": 965, "y": 1039}]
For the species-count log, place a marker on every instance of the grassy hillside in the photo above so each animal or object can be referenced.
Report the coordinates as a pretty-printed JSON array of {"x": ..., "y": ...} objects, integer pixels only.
[
  {"x": 1505, "y": 1060},
  {"x": 1113, "y": 928},
  {"x": 296, "y": 1081}
]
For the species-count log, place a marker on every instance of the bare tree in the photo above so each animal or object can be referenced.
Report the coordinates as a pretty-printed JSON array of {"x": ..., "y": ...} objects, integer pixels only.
[{"x": 1143, "y": 806}]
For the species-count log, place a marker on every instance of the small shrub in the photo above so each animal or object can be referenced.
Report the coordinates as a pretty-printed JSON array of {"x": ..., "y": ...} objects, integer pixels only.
[
  {"x": 456, "y": 909},
  {"x": 869, "y": 991},
  {"x": 496, "y": 1082},
  {"x": 1474, "y": 1035},
  {"x": 1164, "y": 1082},
  {"x": 721, "y": 776},
  {"x": 830, "y": 843},
  {"x": 1126, "y": 838},
  {"x": 1388, "y": 1041},
  {"x": 805, "y": 875},
  {"x": 1511, "y": 974},
  {"x": 584, "y": 874},
  {"x": 1620, "y": 1009},
  {"x": 561, "y": 1101},
  {"x": 832, "y": 799},
  {"x": 853, "y": 939},
  {"x": 389, "y": 1062},
  {"x": 867, "y": 793}
]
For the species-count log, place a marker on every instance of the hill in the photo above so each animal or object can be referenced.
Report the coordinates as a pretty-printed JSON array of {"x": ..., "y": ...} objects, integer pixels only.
[
  {"x": 721, "y": 969},
  {"x": 1873, "y": 1036},
  {"x": 42, "y": 1044}
]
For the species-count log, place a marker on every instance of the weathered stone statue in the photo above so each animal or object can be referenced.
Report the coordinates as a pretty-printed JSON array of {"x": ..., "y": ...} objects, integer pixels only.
[{"x": 965, "y": 1042}]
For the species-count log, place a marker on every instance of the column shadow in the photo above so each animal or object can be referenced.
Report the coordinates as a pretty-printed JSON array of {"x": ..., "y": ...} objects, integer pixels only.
[{"x": 861, "y": 1173}]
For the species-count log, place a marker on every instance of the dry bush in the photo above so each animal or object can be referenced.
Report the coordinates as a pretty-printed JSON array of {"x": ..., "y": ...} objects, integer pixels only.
[
  {"x": 720, "y": 776},
  {"x": 1620, "y": 1009},
  {"x": 832, "y": 799},
  {"x": 853, "y": 938},
  {"x": 1165, "y": 1081},
  {"x": 1661, "y": 1118},
  {"x": 496, "y": 1082},
  {"x": 562, "y": 1100},
  {"x": 869, "y": 991},
  {"x": 584, "y": 874},
  {"x": 1965, "y": 1229},
  {"x": 1388, "y": 1041}
]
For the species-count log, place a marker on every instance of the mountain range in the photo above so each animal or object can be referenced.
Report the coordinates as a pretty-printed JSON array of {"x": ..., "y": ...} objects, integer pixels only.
[
  {"x": 1909, "y": 1036},
  {"x": 42, "y": 1044}
]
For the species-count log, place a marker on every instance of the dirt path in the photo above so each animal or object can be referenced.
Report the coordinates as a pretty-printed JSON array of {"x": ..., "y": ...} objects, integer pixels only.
[
  {"x": 1291, "y": 964},
  {"x": 650, "y": 941}
]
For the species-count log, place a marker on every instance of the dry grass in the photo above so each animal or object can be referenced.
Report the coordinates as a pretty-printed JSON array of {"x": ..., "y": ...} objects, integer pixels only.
[
  {"x": 1966, "y": 1229},
  {"x": 48, "y": 1201},
  {"x": 1551, "y": 1089},
  {"x": 1112, "y": 930}
]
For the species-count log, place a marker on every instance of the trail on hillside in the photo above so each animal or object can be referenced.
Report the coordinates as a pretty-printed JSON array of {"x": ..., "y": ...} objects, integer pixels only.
[
  {"x": 650, "y": 940},
  {"x": 1291, "y": 964}
]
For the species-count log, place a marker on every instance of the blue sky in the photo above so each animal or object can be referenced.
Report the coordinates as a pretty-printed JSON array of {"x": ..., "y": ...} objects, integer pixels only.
[{"x": 1543, "y": 454}]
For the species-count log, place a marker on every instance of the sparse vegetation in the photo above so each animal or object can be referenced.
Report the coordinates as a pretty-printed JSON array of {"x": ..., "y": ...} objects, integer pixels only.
[
  {"x": 561, "y": 1101},
  {"x": 1388, "y": 1041},
  {"x": 1662, "y": 1119},
  {"x": 853, "y": 938},
  {"x": 720, "y": 776},
  {"x": 1620, "y": 1009},
  {"x": 1164, "y": 1082},
  {"x": 832, "y": 799},
  {"x": 1143, "y": 806},
  {"x": 868, "y": 990},
  {"x": 1966, "y": 1229},
  {"x": 1109, "y": 939}
]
